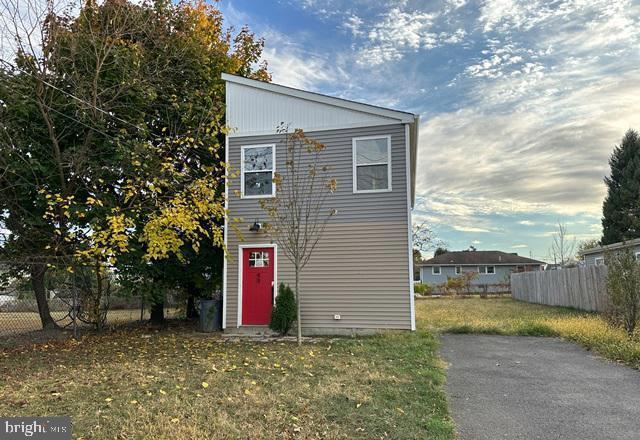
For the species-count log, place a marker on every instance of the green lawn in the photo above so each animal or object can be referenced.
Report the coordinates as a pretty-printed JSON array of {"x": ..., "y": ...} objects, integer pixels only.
[
  {"x": 506, "y": 316},
  {"x": 178, "y": 384}
]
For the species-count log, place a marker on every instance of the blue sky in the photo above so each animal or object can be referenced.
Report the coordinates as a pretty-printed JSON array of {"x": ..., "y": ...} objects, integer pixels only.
[{"x": 521, "y": 102}]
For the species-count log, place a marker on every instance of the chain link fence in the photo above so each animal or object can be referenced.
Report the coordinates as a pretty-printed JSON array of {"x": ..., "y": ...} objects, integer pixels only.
[{"x": 68, "y": 302}]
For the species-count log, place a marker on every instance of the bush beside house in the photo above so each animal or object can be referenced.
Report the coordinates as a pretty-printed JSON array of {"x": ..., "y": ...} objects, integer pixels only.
[{"x": 283, "y": 314}]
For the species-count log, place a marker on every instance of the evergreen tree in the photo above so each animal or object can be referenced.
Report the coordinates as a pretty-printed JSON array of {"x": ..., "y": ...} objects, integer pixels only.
[
  {"x": 621, "y": 208},
  {"x": 283, "y": 314}
]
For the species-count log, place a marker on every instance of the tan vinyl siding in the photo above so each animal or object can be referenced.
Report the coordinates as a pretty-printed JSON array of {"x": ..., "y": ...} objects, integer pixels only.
[{"x": 360, "y": 269}]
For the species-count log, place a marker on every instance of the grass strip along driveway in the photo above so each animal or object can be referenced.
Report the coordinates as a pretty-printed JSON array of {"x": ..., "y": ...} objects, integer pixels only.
[
  {"x": 179, "y": 384},
  {"x": 505, "y": 316}
]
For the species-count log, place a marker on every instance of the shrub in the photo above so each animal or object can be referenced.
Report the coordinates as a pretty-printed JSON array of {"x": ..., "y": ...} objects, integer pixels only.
[
  {"x": 283, "y": 314},
  {"x": 467, "y": 280},
  {"x": 623, "y": 289},
  {"x": 455, "y": 286},
  {"x": 422, "y": 289}
]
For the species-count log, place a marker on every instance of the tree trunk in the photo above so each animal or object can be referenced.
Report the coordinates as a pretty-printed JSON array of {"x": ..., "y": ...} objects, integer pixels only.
[
  {"x": 298, "y": 306},
  {"x": 157, "y": 313},
  {"x": 192, "y": 292},
  {"x": 38, "y": 272}
]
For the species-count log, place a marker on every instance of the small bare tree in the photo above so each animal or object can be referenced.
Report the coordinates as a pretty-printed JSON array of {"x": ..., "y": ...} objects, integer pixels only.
[
  {"x": 298, "y": 215},
  {"x": 424, "y": 239},
  {"x": 562, "y": 247}
]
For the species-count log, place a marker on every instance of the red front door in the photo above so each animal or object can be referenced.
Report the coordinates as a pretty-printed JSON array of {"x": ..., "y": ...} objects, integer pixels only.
[{"x": 257, "y": 285}]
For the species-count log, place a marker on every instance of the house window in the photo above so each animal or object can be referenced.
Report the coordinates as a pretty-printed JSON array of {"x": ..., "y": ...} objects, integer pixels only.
[
  {"x": 637, "y": 256},
  {"x": 599, "y": 261},
  {"x": 259, "y": 259},
  {"x": 258, "y": 166},
  {"x": 372, "y": 164},
  {"x": 458, "y": 270},
  {"x": 435, "y": 270},
  {"x": 489, "y": 270}
]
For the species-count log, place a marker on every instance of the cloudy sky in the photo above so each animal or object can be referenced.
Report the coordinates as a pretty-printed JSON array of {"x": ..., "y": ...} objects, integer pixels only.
[{"x": 521, "y": 102}]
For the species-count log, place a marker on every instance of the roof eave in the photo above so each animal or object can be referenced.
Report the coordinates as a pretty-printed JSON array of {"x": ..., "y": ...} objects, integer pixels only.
[{"x": 618, "y": 245}]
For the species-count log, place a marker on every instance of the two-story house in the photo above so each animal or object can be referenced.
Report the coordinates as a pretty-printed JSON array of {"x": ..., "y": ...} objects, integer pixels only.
[{"x": 359, "y": 278}]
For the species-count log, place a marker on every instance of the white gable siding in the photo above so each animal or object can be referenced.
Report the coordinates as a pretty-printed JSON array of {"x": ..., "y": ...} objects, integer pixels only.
[{"x": 253, "y": 111}]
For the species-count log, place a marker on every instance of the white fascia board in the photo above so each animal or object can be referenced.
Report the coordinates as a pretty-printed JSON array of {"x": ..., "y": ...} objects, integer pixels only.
[{"x": 413, "y": 156}]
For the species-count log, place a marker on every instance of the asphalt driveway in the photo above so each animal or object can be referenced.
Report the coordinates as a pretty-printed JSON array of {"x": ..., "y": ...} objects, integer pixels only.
[{"x": 511, "y": 387}]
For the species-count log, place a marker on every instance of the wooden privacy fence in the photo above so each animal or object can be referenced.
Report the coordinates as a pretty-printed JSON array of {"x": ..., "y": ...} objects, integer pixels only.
[{"x": 583, "y": 288}]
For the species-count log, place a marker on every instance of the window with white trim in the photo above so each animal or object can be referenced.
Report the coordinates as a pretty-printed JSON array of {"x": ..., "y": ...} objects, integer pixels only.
[
  {"x": 435, "y": 270},
  {"x": 489, "y": 270},
  {"x": 599, "y": 261},
  {"x": 372, "y": 164},
  {"x": 458, "y": 270},
  {"x": 258, "y": 166},
  {"x": 259, "y": 259},
  {"x": 638, "y": 256}
]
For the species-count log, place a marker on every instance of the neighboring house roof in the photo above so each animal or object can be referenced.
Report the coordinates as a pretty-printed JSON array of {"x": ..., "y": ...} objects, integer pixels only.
[
  {"x": 611, "y": 247},
  {"x": 474, "y": 258},
  {"x": 309, "y": 111}
]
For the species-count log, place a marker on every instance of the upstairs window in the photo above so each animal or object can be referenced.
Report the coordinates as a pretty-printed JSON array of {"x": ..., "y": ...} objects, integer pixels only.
[
  {"x": 372, "y": 164},
  {"x": 435, "y": 270},
  {"x": 258, "y": 166}
]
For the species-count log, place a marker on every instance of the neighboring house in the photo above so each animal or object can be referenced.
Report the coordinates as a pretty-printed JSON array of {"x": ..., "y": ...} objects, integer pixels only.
[
  {"x": 595, "y": 256},
  {"x": 552, "y": 266},
  {"x": 359, "y": 277},
  {"x": 492, "y": 267}
]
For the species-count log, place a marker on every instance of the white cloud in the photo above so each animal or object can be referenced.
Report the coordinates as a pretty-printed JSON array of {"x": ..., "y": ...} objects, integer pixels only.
[
  {"x": 591, "y": 24},
  {"x": 396, "y": 32},
  {"x": 476, "y": 242},
  {"x": 517, "y": 142},
  {"x": 354, "y": 25},
  {"x": 455, "y": 4},
  {"x": 519, "y": 246},
  {"x": 399, "y": 32},
  {"x": 469, "y": 229},
  {"x": 526, "y": 222},
  {"x": 293, "y": 69},
  {"x": 453, "y": 38}
]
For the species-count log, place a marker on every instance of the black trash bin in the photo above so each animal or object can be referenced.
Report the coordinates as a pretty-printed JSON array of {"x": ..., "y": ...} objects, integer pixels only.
[{"x": 210, "y": 315}]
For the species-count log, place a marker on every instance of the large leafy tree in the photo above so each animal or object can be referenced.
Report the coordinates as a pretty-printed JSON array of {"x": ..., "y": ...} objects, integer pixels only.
[
  {"x": 621, "y": 208},
  {"x": 112, "y": 140}
]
